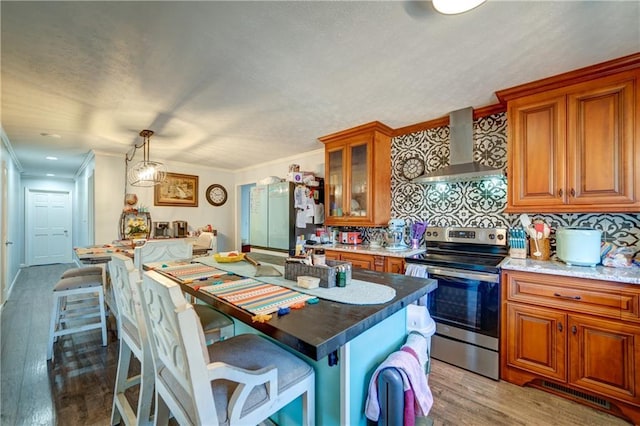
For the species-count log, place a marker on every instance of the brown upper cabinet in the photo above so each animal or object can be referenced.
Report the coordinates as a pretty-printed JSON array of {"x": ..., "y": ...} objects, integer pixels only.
[
  {"x": 574, "y": 141},
  {"x": 358, "y": 176}
]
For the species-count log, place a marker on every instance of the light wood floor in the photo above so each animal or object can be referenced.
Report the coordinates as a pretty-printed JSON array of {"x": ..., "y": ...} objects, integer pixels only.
[{"x": 77, "y": 388}]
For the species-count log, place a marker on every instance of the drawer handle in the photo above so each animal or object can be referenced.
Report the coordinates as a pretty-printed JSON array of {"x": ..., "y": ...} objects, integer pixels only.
[
  {"x": 560, "y": 327},
  {"x": 567, "y": 297}
]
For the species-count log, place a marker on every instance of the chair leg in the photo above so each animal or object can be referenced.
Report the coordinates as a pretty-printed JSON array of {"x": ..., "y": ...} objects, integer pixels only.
[
  {"x": 53, "y": 325},
  {"x": 145, "y": 399},
  {"x": 309, "y": 406},
  {"x": 161, "y": 412},
  {"x": 124, "y": 360},
  {"x": 103, "y": 317}
]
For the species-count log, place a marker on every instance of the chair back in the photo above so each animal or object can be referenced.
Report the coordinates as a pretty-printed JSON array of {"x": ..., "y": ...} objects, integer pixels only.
[
  {"x": 123, "y": 276},
  {"x": 178, "y": 348},
  {"x": 160, "y": 250},
  {"x": 205, "y": 239}
]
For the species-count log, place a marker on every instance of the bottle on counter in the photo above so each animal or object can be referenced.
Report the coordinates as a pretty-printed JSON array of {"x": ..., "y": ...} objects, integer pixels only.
[{"x": 319, "y": 258}]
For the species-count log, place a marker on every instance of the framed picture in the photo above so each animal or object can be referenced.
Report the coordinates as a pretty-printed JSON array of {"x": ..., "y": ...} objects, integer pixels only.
[{"x": 177, "y": 190}]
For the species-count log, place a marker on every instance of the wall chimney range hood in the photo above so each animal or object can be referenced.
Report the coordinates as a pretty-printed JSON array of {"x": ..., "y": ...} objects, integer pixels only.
[{"x": 462, "y": 168}]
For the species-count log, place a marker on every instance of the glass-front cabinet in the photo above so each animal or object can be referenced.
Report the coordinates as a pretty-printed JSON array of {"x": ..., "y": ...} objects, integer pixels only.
[{"x": 358, "y": 176}]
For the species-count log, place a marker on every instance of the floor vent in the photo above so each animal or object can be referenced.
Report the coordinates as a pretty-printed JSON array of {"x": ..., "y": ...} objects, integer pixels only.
[{"x": 603, "y": 403}]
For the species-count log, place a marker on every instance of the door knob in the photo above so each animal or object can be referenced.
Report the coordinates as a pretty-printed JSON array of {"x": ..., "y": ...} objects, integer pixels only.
[{"x": 6, "y": 243}]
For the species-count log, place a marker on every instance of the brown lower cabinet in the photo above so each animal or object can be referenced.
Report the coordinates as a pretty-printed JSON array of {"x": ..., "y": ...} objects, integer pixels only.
[
  {"x": 578, "y": 338},
  {"x": 369, "y": 261}
]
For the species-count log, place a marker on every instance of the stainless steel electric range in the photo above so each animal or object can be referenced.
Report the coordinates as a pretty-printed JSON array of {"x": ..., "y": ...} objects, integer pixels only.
[{"x": 466, "y": 304}]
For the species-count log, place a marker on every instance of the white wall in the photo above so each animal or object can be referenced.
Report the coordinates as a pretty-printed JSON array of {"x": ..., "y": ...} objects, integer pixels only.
[
  {"x": 83, "y": 229},
  {"x": 15, "y": 224},
  {"x": 110, "y": 190}
]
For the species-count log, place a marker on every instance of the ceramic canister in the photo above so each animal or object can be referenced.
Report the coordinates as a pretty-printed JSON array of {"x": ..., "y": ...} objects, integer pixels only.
[{"x": 578, "y": 246}]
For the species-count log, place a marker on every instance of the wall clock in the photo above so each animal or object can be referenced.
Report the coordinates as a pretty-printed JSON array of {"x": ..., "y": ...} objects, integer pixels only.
[
  {"x": 412, "y": 168},
  {"x": 216, "y": 194}
]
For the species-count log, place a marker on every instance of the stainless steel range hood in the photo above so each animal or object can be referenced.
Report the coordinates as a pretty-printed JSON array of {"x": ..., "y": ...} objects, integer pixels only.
[{"x": 462, "y": 167}]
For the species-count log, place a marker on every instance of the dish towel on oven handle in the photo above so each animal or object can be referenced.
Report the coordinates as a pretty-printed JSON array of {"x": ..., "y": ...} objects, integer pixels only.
[
  {"x": 418, "y": 398},
  {"x": 416, "y": 270}
]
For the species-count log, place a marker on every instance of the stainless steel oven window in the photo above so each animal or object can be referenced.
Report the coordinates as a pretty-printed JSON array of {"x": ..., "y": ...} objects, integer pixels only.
[{"x": 471, "y": 304}]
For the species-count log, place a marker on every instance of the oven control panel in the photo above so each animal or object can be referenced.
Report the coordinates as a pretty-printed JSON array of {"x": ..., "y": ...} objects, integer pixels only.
[{"x": 492, "y": 236}]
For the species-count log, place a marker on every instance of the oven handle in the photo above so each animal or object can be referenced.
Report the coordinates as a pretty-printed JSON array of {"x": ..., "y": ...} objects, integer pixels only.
[{"x": 457, "y": 273}]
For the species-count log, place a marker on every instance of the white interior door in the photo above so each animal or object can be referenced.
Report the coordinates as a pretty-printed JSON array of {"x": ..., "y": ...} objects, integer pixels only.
[{"x": 48, "y": 227}]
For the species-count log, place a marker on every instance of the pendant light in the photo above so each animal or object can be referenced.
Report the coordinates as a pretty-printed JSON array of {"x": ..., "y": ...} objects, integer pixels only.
[
  {"x": 146, "y": 172},
  {"x": 452, "y": 7}
]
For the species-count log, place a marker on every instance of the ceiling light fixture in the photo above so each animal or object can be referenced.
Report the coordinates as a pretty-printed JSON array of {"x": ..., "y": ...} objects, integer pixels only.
[
  {"x": 51, "y": 158},
  {"x": 146, "y": 172},
  {"x": 453, "y": 7}
]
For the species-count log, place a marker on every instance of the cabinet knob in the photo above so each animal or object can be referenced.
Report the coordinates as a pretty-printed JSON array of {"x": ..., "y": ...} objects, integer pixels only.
[
  {"x": 560, "y": 192},
  {"x": 573, "y": 192},
  {"x": 560, "y": 327},
  {"x": 574, "y": 329}
]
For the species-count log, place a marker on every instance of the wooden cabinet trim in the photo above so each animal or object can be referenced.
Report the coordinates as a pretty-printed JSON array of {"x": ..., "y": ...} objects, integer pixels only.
[
  {"x": 364, "y": 128},
  {"x": 604, "y": 298},
  {"x": 602, "y": 69}
]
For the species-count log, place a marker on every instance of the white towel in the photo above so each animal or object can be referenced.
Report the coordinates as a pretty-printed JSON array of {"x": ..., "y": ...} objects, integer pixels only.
[{"x": 415, "y": 270}]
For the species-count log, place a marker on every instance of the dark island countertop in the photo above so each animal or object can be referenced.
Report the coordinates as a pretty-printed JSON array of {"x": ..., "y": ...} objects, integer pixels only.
[{"x": 318, "y": 330}]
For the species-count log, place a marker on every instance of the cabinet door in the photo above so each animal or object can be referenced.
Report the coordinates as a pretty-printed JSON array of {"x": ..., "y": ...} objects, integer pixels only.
[
  {"x": 336, "y": 158},
  {"x": 600, "y": 142},
  {"x": 332, "y": 255},
  {"x": 359, "y": 260},
  {"x": 536, "y": 340},
  {"x": 359, "y": 167},
  {"x": 604, "y": 356},
  {"x": 394, "y": 265},
  {"x": 536, "y": 150}
]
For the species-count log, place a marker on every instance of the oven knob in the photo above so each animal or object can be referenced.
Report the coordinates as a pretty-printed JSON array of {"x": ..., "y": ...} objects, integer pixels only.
[
  {"x": 428, "y": 233},
  {"x": 492, "y": 236},
  {"x": 500, "y": 237},
  {"x": 435, "y": 233}
]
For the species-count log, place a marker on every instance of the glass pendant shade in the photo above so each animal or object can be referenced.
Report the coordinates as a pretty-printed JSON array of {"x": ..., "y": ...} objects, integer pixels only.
[
  {"x": 452, "y": 7},
  {"x": 147, "y": 173}
]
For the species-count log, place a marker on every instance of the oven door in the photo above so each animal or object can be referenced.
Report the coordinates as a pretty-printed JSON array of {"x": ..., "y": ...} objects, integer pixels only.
[{"x": 466, "y": 300}]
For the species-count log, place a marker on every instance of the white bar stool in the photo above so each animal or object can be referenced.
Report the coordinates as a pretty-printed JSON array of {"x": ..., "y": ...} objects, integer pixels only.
[{"x": 78, "y": 313}]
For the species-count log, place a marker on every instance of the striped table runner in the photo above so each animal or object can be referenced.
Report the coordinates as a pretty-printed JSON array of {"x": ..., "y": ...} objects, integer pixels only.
[
  {"x": 255, "y": 296},
  {"x": 190, "y": 272}
]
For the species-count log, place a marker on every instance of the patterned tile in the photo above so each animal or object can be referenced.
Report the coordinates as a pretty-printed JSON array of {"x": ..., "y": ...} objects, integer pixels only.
[{"x": 477, "y": 203}]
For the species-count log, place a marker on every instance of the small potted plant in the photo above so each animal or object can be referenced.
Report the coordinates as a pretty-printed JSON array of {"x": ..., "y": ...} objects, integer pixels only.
[{"x": 137, "y": 228}]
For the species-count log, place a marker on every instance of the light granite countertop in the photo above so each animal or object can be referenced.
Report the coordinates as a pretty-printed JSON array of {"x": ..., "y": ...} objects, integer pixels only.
[
  {"x": 366, "y": 249},
  {"x": 555, "y": 267}
]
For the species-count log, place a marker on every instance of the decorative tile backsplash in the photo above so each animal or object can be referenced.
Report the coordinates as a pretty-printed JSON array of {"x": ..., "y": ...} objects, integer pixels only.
[{"x": 479, "y": 203}]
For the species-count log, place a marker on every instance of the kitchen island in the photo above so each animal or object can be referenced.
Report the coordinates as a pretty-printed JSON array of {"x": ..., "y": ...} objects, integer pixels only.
[{"x": 343, "y": 342}]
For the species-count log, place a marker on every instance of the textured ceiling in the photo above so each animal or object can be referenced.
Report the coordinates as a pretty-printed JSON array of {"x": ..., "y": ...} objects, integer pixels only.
[{"x": 234, "y": 84}]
